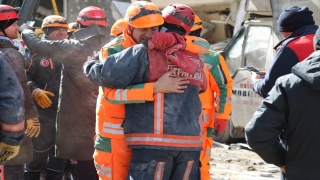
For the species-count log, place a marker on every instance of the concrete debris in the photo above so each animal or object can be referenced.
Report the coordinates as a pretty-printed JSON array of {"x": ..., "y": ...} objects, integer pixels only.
[{"x": 270, "y": 170}]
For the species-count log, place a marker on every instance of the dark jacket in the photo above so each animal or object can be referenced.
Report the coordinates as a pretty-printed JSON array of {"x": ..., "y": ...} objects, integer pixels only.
[
  {"x": 78, "y": 95},
  {"x": 44, "y": 73},
  {"x": 293, "y": 106},
  {"x": 11, "y": 104},
  {"x": 290, "y": 51},
  {"x": 174, "y": 123},
  {"x": 18, "y": 64}
]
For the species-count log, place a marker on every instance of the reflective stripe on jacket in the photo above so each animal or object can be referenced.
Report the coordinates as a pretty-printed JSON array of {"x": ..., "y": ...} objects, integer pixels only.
[{"x": 110, "y": 105}]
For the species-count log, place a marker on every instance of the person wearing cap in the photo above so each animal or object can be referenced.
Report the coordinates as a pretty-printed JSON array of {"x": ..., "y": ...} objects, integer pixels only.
[
  {"x": 44, "y": 81},
  {"x": 110, "y": 107},
  {"x": 298, "y": 28},
  {"x": 292, "y": 106},
  {"x": 218, "y": 93},
  {"x": 75, "y": 121},
  {"x": 164, "y": 134},
  {"x": 72, "y": 27},
  {"x": 14, "y": 168}
]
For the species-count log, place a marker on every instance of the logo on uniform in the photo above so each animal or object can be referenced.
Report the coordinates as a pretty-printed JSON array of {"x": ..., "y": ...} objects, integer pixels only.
[{"x": 44, "y": 63}]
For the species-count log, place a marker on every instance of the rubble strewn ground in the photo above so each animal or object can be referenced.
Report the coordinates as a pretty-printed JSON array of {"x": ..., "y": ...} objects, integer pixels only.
[{"x": 240, "y": 164}]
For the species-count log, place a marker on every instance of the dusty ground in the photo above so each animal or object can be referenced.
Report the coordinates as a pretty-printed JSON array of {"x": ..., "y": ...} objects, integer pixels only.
[{"x": 240, "y": 164}]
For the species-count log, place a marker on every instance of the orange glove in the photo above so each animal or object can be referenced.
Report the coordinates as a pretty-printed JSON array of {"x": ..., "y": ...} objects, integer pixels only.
[
  {"x": 220, "y": 126},
  {"x": 42, "y": 98},
  {"x": 33, "y": 127}
]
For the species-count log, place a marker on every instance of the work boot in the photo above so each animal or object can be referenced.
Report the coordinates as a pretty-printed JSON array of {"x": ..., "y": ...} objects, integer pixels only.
[{"x": 32, "y": 175}]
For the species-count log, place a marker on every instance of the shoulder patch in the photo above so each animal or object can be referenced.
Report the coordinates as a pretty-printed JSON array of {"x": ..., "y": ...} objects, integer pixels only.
[{"x": 44, "y": 63}]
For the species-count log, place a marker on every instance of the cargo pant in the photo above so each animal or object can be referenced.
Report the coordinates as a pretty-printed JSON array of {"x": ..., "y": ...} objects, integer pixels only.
[
  {"x": 11, "y": 172},
  {"x": 205, "y": 154},
  {"x": 112, "y": 159},
  {"x": 162, "y": 164},
  {"x": 44, "y": 152}
]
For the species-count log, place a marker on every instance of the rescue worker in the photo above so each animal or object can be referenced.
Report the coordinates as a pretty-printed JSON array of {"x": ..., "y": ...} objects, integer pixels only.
[
  {"x": 44, "y": 80},
  {"x": 219, "y": 86},
  {"x": 118, "y": 27},
  {"x": 72, "y": 27},
  {"x": 14, "y": 168},
  {"x": 11, "y": 112},
  {"x": 109, "y": 106},
  {"x": 156, "y": 131},
  {"x": 78, "y": 95}
]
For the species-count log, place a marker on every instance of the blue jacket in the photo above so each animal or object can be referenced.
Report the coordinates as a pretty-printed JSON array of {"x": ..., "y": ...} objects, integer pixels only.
[
  {"x": 11, "y": 104},
  {"x": 290, "y": 51},
  {"x": 170, "y": 122}
]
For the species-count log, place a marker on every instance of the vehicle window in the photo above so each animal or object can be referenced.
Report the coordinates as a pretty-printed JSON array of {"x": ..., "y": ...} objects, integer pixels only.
[
  {"x": 256, "y": 46},
  {"x": 233, "y": 52}
]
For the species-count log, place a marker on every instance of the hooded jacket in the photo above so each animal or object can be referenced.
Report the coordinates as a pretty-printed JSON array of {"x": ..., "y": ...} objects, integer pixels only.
[
  {"x": 293, "y": 106},
  {"x": 78, "y": 95},
  {"x": 290, "y": 51},
  {"x": 17, "y": 62},
  {"x": 11, "y": 104}
]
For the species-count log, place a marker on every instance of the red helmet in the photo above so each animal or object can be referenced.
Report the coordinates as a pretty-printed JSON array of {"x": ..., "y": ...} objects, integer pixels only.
[
  {"x": 8, "y": 12},
  {"x": 179, "y": 14},
  {"x": 90, "y": 15}
]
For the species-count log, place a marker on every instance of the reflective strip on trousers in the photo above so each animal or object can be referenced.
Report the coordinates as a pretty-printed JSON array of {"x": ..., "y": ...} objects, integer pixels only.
[
  {"x": 159, "y": 171},
  {"x": 104, "y": 171},
  {"x": 187, "y": 172},
  {"x": 208, "y": 152},
  {"x": 205, "y": 118},
  {"x": 121, "y": 93},
  {"x": 12, "y": 127},
  {"x": 112, "y": 128}
]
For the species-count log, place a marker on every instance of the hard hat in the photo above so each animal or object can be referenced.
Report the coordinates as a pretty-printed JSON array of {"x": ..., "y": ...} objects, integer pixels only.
[
  {"x": 197, "y": 23},
  {"x": 180, "y": 15},
  {"x": 118, "y": 27},
  {"x": 8, "y": 12},
  {"x": 143, "y": 14},
  {"x": 72, "y": 27},
  {"x": 54, "y": 21},
  {"x": 90, "y": 15}
]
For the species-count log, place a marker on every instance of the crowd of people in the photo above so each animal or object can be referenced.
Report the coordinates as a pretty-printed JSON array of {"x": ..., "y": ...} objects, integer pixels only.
[{"x": 142, "y": 101}]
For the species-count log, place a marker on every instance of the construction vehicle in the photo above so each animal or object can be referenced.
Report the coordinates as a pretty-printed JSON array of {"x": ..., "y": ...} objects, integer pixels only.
[{"x": 254, "y": 23}]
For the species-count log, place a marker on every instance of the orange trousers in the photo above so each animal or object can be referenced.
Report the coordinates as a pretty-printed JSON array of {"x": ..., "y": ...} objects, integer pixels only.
[
  {"x": 113, "y": 165},
  {"x": 206, "y": 153}
]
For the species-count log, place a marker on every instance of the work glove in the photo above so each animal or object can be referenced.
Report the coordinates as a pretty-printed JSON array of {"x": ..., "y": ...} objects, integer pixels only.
[
  {"x": 219, "y": 126},
  {"x": 42, "y": 98},
  {"x": 8, "y": 152},
  {"x": 25, "y": 26},
  {"x": 33, "y": 127}
]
